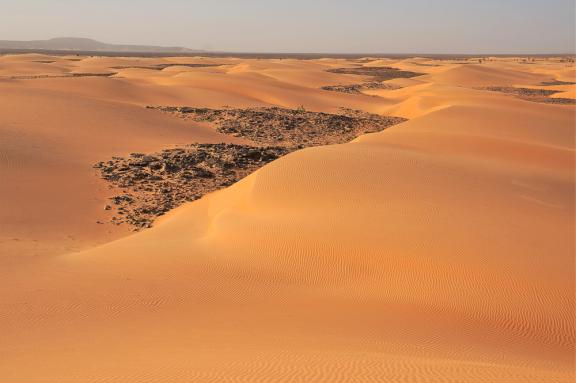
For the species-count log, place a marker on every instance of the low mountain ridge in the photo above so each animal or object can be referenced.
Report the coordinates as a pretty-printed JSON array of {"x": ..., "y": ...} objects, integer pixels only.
[{"x": 85, "y": 44}]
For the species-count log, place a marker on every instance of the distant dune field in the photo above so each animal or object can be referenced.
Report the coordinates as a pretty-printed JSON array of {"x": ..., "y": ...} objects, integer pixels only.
[{"x": 440, "y": 249}]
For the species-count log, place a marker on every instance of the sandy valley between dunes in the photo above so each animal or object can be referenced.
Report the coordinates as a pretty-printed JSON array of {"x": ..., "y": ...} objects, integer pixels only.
[{"x": 440, "y": 249}]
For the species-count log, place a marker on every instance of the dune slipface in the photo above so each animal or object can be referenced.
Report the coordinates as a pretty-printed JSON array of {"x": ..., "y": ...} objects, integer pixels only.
[{"x": 438, "y": 250}]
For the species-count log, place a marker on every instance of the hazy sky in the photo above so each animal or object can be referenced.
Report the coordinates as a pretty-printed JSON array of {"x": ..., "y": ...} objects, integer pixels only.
[{"x": 362, "y": 26}]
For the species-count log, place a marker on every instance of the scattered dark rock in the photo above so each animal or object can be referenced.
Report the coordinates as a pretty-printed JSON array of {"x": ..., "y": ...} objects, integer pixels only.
[
  {"x": 65, "y": 75},
  {"x": 358, "y": 88},
  {"x": 108, "y": 74},
  {"x": 153, "y": 184},
  {"x": 184, "y": 175},
  {"x": 522, "y": 92},
  {"x": 164, "y": 66},
  {"x": 534, "y": 95},
  {"x": 288, "y": 127},
  {"x": 555, "y": 100},
  {"x": 556, "y": 82},
  {"x": 426, "y": 64},
  {"x": 378, "y": 74}
]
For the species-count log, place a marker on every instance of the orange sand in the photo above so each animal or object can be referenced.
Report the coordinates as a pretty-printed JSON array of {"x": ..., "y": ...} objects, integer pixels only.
[{"x": 439, "y": 250}]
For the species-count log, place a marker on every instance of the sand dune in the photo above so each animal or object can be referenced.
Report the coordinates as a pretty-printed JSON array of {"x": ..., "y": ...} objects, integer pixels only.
[
  {"x": 474, "y": 75},
  {"x": 438, "y": 250}
]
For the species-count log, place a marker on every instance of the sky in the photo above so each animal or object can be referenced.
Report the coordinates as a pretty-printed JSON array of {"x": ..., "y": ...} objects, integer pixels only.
[{"x": 321, "y": 26}]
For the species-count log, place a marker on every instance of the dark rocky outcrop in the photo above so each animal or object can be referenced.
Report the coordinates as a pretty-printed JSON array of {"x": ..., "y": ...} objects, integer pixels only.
[
  {"x": 534, "y": 95},
  {"x": 152, "y": 184},
  {"x": 556, "y": 82},
  {"x": 64, "y": 75},
  {"x": 164, "y": 66},
  {"x": 358, "y": 88},
  {"x": 377, "y": 74},
  {"x": 288, "y": 127}
]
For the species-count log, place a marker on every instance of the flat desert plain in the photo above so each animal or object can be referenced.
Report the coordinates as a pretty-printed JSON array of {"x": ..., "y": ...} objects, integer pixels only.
[{"x": 140, "y": 241}]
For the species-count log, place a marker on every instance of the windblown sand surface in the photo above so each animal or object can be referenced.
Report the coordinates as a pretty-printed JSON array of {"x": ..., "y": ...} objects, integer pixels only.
[{"x": 438, "y": 250}]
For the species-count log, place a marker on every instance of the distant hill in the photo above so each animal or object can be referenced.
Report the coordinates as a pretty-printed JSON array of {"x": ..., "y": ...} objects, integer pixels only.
[{"x": 83, "y": 44}]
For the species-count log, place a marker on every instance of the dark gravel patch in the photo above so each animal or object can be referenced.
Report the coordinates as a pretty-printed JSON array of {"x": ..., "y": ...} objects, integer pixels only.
[
  {"x": 533, "y": 95},
  {"x": 65, "y": 75},
  {"x": 358, "y": 88},
  {"x": 377, "y": 73},
  {"x": 164, "y": 66},
  {"x": 288, "y": 127},
  {"x": 152, "y": 184},
  {"x": 556, "y": 82}
]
